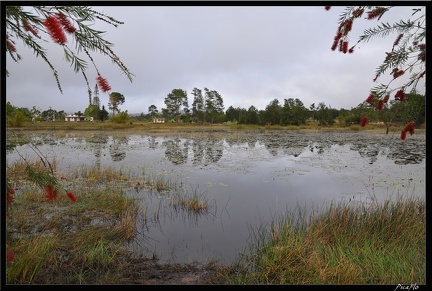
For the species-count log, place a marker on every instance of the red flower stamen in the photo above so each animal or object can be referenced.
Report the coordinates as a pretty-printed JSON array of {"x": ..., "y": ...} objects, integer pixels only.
[
  {"x": 9, "y": 197},
  {"x": 345, "y": 47},
  {"x": 334, "y": 45},
  {"x": 403, "y": 135},
  {"x": 10, "y": 46},
  {"x": 398, "y": 73},
  {"x": 380, "y": 104},
  {"x": 103, "y": 84},
  {"x": 347, "y": 26},
  {"x": 376, "y": 13},
  {"x": 50, "y": 192},
  {"x": 28, "y": 27},
  {"x": 65, "y": 22},
  {"x": 71, "y": 197},
  {"x": 364, "y": 121},
  {"x": 370, "y": 98},
  {"x": 409, "y": 126},
  {"x": 400, "y": 95},
  {"x": 396, "y": 42},
  {"x": 55, "y": 30},
  {"x": 10, "y": 257},
  {"x": 386, "y": 98},
  {"x": 358, "y": 12}
]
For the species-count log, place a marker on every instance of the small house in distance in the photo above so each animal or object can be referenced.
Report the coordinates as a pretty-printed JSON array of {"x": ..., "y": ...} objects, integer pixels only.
[
  {"x": 73, "y": 118},
  {"x": 158, "y": 120}
]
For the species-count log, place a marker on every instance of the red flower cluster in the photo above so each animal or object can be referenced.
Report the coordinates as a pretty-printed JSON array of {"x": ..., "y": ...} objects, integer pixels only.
[
  {"x": 400, "y": 95},
  {"x": 398, "y": 73},
  {"x": 380, "y": 104},
  {"x": 358, "y": 12},
  {"x": 10, "y": 46},
  {"x": 422, "y": 55},
  {"x": 409, "y": 127},
  {"x": 51, "y": 192},
  {"x": 343, "y": 47},
  {"x": 28, "y": 27},
  {"x": 398, "y": 39},
  {"x": 10, "y": 257},
  {"x": 9, "y": 193},
  {"x": 343, "y": 30},
  {"x": 103, "y": 84},
  {"x": 65, "y": 22},
  {"x": 71, "y": 196},
  {"x": 55, "y": 30},
  {"x": 370, "y": 98},
  {"x": 364, "y": 121},
  {"x": 376, "y": 13}
]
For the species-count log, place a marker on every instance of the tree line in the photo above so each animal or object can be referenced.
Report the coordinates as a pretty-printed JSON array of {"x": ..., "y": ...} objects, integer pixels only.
[{"x": 207, "y": 107}]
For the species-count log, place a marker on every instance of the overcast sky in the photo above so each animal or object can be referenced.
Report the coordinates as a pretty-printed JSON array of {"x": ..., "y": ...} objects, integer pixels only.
[{"x": 250, "y": 55}]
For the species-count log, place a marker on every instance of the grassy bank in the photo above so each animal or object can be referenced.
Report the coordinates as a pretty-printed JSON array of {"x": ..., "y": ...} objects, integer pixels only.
[
  {"x": 149, "y": 127},
  {"x": 382, "y": 244}
]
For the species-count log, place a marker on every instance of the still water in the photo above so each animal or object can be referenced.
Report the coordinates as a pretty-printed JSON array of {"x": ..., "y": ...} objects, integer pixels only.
[{"x": 247, "y": 179}]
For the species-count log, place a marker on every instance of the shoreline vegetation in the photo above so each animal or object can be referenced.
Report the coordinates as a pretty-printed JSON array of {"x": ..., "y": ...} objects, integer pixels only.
[{"x": 59, "y": 242}]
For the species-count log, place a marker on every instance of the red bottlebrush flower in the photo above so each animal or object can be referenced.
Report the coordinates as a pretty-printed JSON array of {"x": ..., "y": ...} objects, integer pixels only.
[
  {"x": 347, "y": 26},
  {"x": 364, "y": 121},
  {"x": 55, "y": 30},
  {"x": 403, "y": 135},
  {"x": 71, "y": 197},
  {"x": 28, "y": 27},
  {"x": 396, "y": 42},
  {"x": 65, "y": 22},
  {"x": 103, "y": 84},
  {"x": 380, "y": 104},
  {"x": 370, "y": 98},
  {"x": 10, "y": 257},
  {"x": 409, "y": 126},
  {"x": 327, "y": 8},
  {"x": 341, "y": 45},
  {"x": 400, "y": 95},
  {"x": 358, "y": 12},
  {"x": 345, "y": 47},
  {"x": 376, "y": 13},
  {"x": 398, "y": 73},
  {"x": 9, "y": 193},
  {"x": 49, "y": 192},
  {"x": 386, "y": 98},
  {"x": 422, "y": 56},
  {"x": 10, "y": 46},
  {"x": 334, "y": 45},
  {"x": 411, "y": 131}
]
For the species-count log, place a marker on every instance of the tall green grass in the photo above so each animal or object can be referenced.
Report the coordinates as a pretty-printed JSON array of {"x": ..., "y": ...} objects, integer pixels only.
[{"x": 382, "y": 244}]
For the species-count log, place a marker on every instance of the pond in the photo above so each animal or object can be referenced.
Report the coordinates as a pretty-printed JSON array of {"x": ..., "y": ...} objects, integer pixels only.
[{"x": 247, "y": 179}]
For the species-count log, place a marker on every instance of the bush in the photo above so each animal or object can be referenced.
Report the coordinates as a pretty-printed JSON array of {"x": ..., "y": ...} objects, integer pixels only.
[
  {"x": 16, "y": 119},
  {"x": 122, "y": 117}
]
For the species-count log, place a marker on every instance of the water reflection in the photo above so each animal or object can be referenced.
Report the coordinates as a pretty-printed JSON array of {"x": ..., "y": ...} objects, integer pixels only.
[{"x": 209, "y": 150}]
